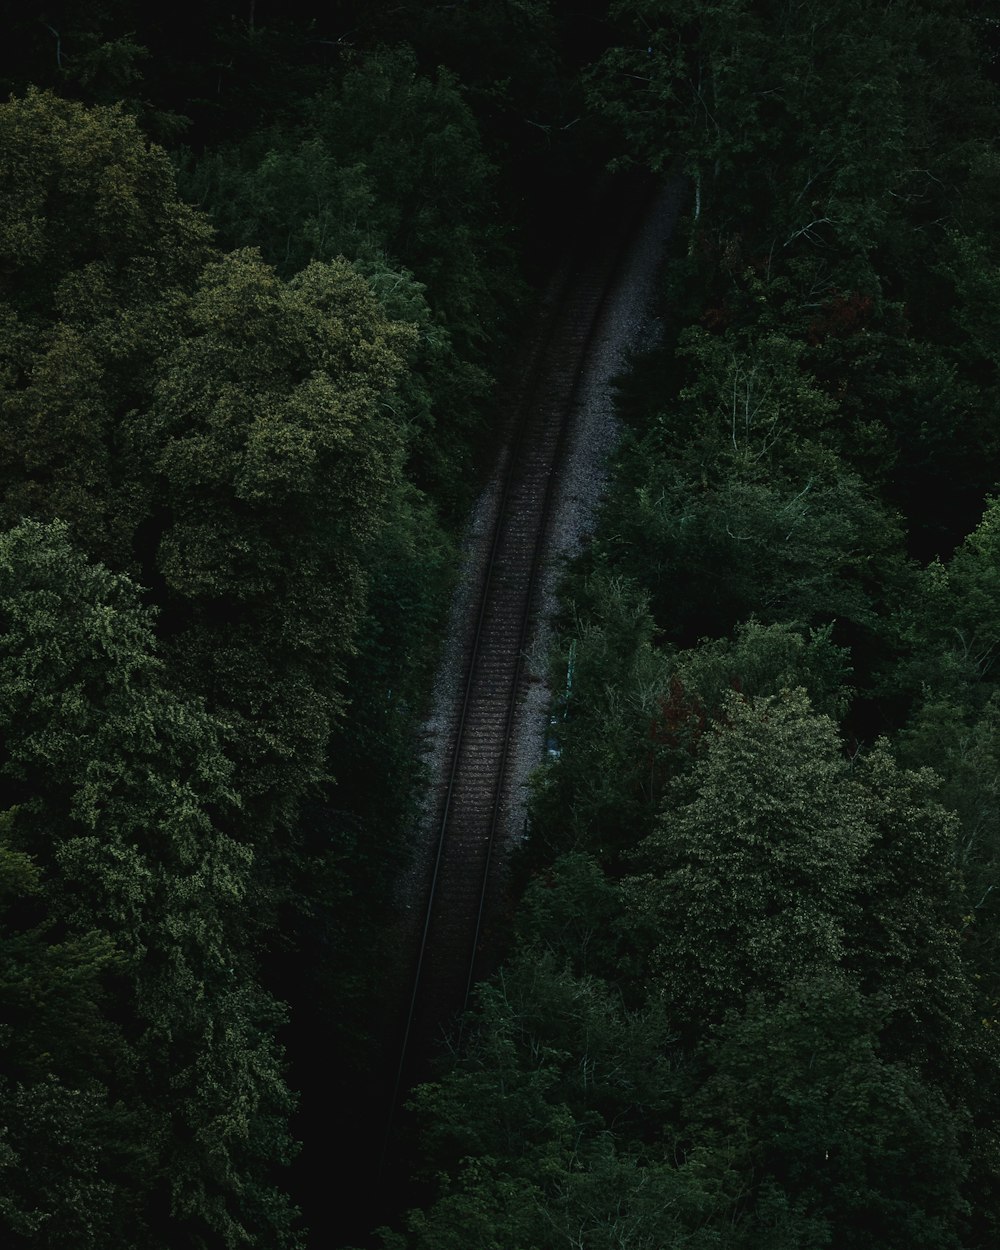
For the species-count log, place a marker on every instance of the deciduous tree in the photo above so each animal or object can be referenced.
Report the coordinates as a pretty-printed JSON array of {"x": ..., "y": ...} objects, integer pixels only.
[{"x": 123, "y": 788}]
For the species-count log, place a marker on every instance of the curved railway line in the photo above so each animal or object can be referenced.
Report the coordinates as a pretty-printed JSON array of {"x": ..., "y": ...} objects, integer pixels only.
[{"x": 470, "y": 792}]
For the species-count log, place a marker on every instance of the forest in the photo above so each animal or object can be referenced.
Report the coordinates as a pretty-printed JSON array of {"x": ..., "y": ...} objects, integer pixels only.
[{"x": 263, "y": 271}]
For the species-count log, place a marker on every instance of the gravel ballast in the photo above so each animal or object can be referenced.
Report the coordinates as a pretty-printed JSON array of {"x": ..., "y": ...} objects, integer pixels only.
[{"x": 626, "y": 325}]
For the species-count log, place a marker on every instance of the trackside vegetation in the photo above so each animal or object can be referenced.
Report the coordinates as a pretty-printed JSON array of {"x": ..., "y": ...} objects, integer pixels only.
[{"x": 262, "y": 272}]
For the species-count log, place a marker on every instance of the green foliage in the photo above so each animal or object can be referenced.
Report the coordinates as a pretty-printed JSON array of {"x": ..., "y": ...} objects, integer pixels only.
[
  {"x": 786, "y": 1056},
  {"x": 777, "y": 860},
  {"x": 837, "y": 1144},
  {"x": 604, "y": 791},
  {"x": 766, "y": 659},
  {"x": 750, "y": 881},
  {"x": 69, "y": 1159},
  {"x": 637, "y": 714},
  {"x": 418, "y": 141},
  {"x": 946, "y": 628},
  {"x": 906, "y": 946},
  {"x": 945, "y": 624},
  {"x": 386, "y": 167},
  {"x": 268, "y": 436},
  {"x": 385, "y": 161},
  {"x": 62, "y": 1054},
  {"x": 915, "y": 417},
  {"x": 568, "y": 912},
  {"x": 830, "y": 174},
  {"x": 129, "y": 832},
  {"x": 728, "y": 505},
  {"x": 789, "y": 129},
  {"x": 779, "y": 1030},
  {"x": 52, "y": 988},
  {"x": 396, "y": 649},
  {"x": 96, "y": 250},
  {"x": 534, "y": 1125},
  {"x": 818, "y": 930},
  {"x": 441, "y": 398},
  {"x": 236, "y": 443},
  {"x": 88, "y": 212}
]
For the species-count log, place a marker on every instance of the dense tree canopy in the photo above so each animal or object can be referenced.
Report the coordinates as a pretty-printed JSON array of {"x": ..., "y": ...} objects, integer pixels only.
[
  {"x": 260, "y": 274},
  {"x": 769, "y": 831},
  {"x": 230, "y": 445},
  {"x": 143, "y": 875}
]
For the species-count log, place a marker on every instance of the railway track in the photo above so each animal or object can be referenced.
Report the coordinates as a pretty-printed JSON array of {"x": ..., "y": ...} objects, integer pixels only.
[{"x": 469, "y": 794}]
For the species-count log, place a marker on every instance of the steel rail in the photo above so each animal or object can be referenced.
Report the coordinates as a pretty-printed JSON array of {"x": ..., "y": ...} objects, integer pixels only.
[
  {"x": 531, "y": 598},
  {"x": 546, "y": 358}
]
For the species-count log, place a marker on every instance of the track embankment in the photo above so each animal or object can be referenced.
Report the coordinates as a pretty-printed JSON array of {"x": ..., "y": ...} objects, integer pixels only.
[{"x": 487, "y": 728}]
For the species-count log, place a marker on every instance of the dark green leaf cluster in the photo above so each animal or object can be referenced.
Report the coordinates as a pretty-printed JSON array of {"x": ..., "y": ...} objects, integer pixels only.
[
  {"x": 765, "y": 1034},
  {"x": 146, "y": 882},
  {"x": 754, "y": 980},
  {"x": 211, "y": 544},
  {"x": 386, "y": 166}
]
